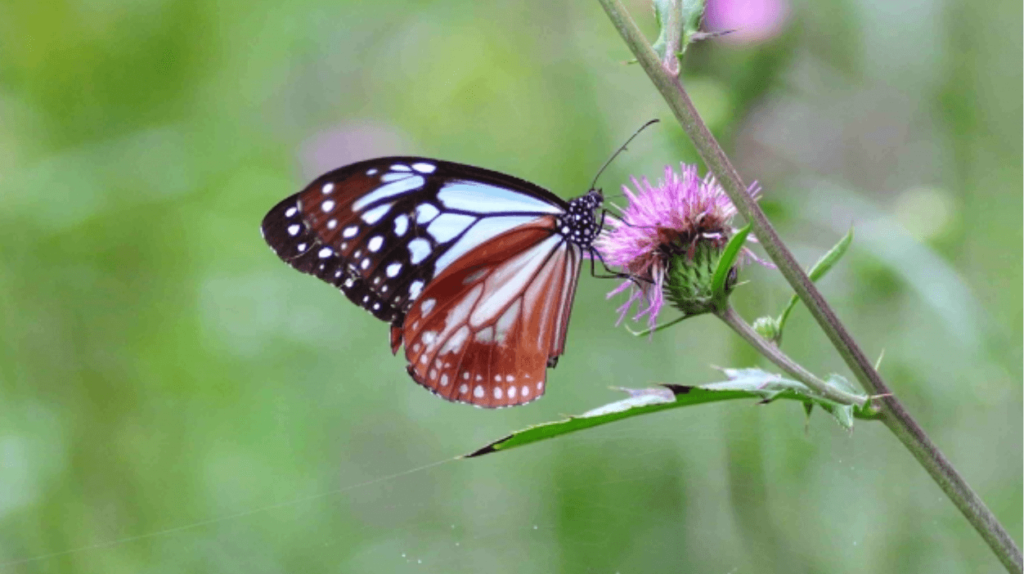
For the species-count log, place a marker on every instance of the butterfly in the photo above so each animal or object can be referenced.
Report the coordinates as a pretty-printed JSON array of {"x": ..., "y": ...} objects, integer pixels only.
[{"x": 475, "y": 270}]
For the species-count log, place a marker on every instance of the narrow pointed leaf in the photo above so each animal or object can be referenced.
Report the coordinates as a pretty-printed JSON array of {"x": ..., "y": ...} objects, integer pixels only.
[
  {"x": 725, "y": 263},
  {"x": 762, "y": 386},
  {"x": 827, "y": 261},
  {"x": 657, "y": 328}
]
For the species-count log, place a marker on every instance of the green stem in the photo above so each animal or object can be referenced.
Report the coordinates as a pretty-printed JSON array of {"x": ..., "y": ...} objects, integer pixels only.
[
  {"x": 774, "y": 354},
  {"x": 895, "y": 416},
  {"x": 674, "y": 38}
]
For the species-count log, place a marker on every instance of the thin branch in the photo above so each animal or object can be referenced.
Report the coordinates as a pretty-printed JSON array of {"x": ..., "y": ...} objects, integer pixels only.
[
  {"x": 782, "y": 360},
  {"x": 895, "y": 416},
  {"x": 674, "y": 38}
]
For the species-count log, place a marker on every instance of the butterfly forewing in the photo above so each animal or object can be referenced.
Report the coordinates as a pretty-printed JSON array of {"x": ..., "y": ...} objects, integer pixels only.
[{"x": 381, "y": 230}]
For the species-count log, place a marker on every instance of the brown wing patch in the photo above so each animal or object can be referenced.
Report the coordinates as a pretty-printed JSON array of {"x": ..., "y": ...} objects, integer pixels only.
[{"x": 484, "y": 330}]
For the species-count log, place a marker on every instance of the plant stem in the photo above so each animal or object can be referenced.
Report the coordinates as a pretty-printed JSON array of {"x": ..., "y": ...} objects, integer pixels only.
[
  {"x": 774, "y": 354},
  {"x": 895, "y": 416},
  {"x": 673, "y": 38}
]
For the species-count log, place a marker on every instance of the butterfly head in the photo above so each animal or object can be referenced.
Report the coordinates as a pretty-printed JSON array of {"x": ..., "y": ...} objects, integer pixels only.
[{"x": 579, "y": 224}]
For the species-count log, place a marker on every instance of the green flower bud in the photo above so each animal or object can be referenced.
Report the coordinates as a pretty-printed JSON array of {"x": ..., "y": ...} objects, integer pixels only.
[{"x": 689, "y": 276}]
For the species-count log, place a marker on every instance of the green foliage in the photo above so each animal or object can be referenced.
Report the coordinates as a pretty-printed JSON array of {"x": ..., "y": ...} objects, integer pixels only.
[
  {"x": 767, "y": 327},
  {"x": 820, "y": 268},
  {"x": 685, "y": 14},
  {"x": 161, "y": 368},
  {"x": 720, "y": 284},
  {"x": 756, "y": 384}
]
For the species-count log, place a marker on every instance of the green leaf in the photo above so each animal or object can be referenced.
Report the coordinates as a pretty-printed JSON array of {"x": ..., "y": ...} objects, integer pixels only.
[
  {"x": 689, "y": 16},
  {"x": 827, "y": 261},
  {"x": 725, "y": 263},
  {"x": 755, "y": 384},
  {"x": 657, "y": 328}
]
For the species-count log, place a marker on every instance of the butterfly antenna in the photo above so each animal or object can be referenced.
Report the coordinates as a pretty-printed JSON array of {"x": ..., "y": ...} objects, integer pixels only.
[{"x": 621, "y": 149}]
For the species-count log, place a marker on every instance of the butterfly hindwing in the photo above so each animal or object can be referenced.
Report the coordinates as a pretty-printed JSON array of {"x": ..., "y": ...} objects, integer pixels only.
[{"x": 486, "y": 329}]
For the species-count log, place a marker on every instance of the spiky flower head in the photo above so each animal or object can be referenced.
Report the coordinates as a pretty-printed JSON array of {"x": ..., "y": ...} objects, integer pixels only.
[{"x": 669, "y": 238}]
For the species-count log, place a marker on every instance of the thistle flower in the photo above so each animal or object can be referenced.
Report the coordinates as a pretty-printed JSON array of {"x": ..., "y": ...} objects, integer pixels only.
[{"x": 669, "y": 239}]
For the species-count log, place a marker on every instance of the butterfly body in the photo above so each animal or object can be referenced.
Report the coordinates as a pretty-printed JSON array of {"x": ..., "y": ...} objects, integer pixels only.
[{"x": 475, "y": 270}]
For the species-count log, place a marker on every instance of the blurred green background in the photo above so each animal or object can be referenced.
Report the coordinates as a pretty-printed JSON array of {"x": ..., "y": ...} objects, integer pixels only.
[{"x": 175, "y": 399}]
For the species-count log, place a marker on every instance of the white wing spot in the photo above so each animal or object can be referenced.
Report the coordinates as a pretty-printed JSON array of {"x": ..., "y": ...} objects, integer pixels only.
[
  {"x": 424, "y": 359},
  {"x": 526, "y": 391},
  {"x": 510, "y": 379},
  {"x": 350, "y": 231},
  {"x": 375, "y": 243},
  {"x": 497, "y": 392},
  {"x": 365, "y": 264},
  {"x": 294, "y": 229},
  {"x": 400, "y": 167},
  {"x": 478, "y": 197},
  {"x": 455, "y": 342},
  {"x": 449, "y": 226},
  {"x": 497, "y": 378},
  {"x": 444, "y": 380},
  {"x": 429, "y": 338},
  {"x": 376, "y": 306},
  {"x": 291, "y": 212},
  {"x": 371, "y": 172},
  {"x": 328, "y": 188},
  {"x": 419, "y": 248},
  {"x": 463, "y": 389},
  {"x": 478, "y": 392},
  {"x": 415, "y": 289},
  {"x": 401, "y": 224},
  {"x": 465, "y": 375},
  {"x": 332, "y": 224},
  {"x": 325, "y": 253},
  {"x": 405, "y": 185},
  {"x": 427, "y": 306},
  {"x": 425, "y": 212},
  {"x": 507, "y": 320},
  {"x": 540, "y": 385},
  {"x": 301, "y": 247},
  {"x": 433, "y": 373},
  {"x": 393, "y": 269},
  {"x": 424, "y": 167},
  {"x": 374, "y": 215},
  {"x": 327, "y": 206},
  {"x": 511, "y": 392}
]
